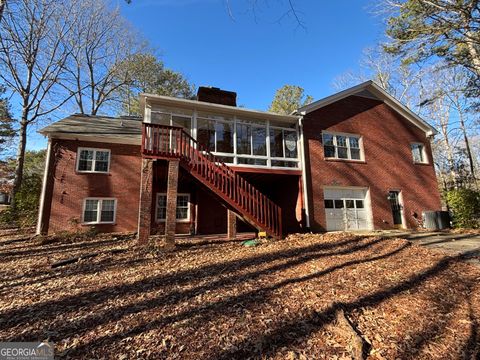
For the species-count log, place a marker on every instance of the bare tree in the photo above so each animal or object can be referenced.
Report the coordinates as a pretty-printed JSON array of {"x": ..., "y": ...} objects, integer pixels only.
[
  {"x": 2, "y": 7},
  {"x": 288, "y": 10},
  {"x": 439, "y": 111},
  {"x": 31, "y": 63},
  {"x": 436, "y": 92},
  {"x": 100, "y": 40},
  {"x": 400, "y": 80},
  {"x": 454, "y": 90}
]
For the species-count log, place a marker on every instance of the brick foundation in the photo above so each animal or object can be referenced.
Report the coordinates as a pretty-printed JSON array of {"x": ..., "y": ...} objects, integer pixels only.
[
  {"x": 231, "y": 225},
  {"x": 145, "y": 213},
  {"x": 171, "y": 213}
]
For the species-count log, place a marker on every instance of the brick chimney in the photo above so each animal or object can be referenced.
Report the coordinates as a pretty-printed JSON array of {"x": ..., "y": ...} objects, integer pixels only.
[{"x": 217, "y": 96}]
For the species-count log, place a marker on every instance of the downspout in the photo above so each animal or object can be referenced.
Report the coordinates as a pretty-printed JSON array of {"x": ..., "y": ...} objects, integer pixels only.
[
  {"x": 44, "y": 188},
  {"x": 304, "y": 173}
]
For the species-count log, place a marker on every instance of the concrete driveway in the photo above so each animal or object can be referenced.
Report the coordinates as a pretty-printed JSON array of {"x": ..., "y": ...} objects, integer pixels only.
[{"x": 466, "y": 244}]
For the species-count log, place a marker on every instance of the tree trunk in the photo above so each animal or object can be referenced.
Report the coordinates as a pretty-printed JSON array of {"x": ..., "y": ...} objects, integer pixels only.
[
  {"x": 2, "y": 6},
  {"x": 467, "y": 146},
  {"x": 22, "y": 143},
  {"x": 451, "y": 162}
]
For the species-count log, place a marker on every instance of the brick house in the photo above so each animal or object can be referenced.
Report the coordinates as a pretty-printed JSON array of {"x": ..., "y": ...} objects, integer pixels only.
[{"x": 356, "y": 160}]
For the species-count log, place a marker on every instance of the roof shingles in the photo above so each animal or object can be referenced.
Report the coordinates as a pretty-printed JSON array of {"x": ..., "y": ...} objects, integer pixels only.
[{"x": 96, "y": 126}]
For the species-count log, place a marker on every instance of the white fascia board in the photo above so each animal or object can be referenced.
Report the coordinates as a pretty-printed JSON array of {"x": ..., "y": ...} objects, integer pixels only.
[
  {"x": 403, "y": 110},
  {"x": 213, "y": 107},
  {"x": 95, "y": 138},
  {"x": 333, "y": 98}
]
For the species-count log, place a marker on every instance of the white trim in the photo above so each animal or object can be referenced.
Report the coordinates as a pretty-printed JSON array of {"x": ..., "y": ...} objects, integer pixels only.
[
  {"x": 99, "y": 211},
  {"x": 234, "y": 122},
  {"x": 424, "y": 153},
  {"x": 206, "y": 106},
  {"x": 382, "y": 95},
  {"x": 401, "y": 203},
  {"x": 44, "y": 188},
  {"x": 79, "y": 149},
  {"x": 366, "y": 201},
  {"x": 304, "y": 174},
  {"x": 98, "y": 138},
  {"x": 157, "y": 220},
  {"x": 348, "y": 135}
]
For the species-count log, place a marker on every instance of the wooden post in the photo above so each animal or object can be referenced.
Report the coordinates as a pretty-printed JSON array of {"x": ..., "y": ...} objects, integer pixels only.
[
  {"x": 171, "y": 215},
  {"x": 145, "y": 211},
  {"x": 231, "y": 225}
]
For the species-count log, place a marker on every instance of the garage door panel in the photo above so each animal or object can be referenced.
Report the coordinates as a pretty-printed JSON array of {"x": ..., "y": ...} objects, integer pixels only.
[
  {"x": 350, "y": 211},
  {"x": 362, "y": 214}
]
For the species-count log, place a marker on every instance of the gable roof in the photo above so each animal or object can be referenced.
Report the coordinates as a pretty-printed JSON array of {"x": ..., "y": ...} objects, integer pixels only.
[
  {"x": 371, "y": 90},
  {"x": 93, "y": 126}
]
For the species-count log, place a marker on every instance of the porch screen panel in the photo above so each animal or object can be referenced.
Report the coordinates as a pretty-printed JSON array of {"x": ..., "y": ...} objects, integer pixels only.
[
  {"x": 244, "y": 145},
  {"x": 182, "y": 121},
  {"x": 161, "y": 118},
  {"x": 259, "y": 141},
  {"x": 276, "y": 143},
  {"x": 224, "y": 133},
  {"x": 206, "y": 133},
  {"x": 290, "y": 139}
]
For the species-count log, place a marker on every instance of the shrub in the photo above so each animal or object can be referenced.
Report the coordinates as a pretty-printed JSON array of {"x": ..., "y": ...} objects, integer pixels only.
[
  {"x": 27, "y": 201},
  {"x": 465, "y": 207}
]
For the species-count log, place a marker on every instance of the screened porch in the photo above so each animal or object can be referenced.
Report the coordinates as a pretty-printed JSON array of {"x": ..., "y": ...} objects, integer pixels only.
[{"x": 237, "y": 140}]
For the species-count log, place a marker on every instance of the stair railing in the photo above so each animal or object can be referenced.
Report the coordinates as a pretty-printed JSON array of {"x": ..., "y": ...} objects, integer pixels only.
[{"x": 161, "y": 141}]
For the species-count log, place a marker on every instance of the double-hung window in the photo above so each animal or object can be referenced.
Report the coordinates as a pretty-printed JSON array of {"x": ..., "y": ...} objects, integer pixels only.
[
  {"x": 93, "y": 160},
  {"x": 342, "y": 146},
  {"x": 183, "y": 207},
  {"x": 418, "y": 153},
  {"x": 99, "y": 210}
]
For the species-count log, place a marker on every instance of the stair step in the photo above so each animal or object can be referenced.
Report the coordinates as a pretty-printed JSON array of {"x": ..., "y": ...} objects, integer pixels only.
[{"x": 250, "y": 204}]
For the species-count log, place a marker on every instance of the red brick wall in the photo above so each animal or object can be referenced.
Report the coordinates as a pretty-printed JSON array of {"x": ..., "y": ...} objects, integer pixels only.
[
  {"x": 160, "y": 186},
  {"x": 67, "y": 189},
  {"x": 212, "y": 216},
  {"x": 388, "y": 160}
]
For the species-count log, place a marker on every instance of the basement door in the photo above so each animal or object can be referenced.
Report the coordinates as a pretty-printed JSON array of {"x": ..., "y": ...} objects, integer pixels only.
[{"x": 346, "y": 209}]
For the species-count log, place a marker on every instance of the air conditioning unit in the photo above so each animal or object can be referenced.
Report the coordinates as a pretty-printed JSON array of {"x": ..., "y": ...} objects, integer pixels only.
[{"x": 436, "y": 220}]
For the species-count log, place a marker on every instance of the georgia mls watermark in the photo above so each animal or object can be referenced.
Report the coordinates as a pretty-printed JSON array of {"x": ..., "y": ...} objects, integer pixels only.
[{"x": 26, "y": 351}]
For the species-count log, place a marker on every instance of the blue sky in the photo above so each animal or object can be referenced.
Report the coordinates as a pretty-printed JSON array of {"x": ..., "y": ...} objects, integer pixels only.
[{"x": 255, "y": 54}]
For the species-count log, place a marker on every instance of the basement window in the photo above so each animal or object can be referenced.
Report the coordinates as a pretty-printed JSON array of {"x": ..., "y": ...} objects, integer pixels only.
[
  {"x": 99, "y": 210},
  {"x": 183, "y": 207},
  {"x": 93, "y": 160}
]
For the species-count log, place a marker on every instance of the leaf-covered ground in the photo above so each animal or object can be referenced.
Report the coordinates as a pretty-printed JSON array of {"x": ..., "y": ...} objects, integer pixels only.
[{"x": 217, "y": 299}]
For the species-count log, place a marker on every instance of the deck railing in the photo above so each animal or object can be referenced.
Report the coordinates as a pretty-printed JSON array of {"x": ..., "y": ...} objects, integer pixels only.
[{"x": 167, "y": 142}]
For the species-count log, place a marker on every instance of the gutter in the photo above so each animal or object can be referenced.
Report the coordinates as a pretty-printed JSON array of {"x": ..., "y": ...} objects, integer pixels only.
[
  {"x": 304, "y": 174},
  {"x": 44, "y": 188}
]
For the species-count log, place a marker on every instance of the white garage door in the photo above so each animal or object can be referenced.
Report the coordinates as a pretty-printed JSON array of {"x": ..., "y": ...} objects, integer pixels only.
[{"x": 346, "y": 209}]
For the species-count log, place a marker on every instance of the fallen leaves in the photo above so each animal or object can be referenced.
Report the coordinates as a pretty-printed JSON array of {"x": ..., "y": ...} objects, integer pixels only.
[{"x": 214, "y": 299}]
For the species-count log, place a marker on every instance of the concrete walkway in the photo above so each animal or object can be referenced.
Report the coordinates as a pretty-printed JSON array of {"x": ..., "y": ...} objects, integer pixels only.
[{"x": 466, "y": 244}]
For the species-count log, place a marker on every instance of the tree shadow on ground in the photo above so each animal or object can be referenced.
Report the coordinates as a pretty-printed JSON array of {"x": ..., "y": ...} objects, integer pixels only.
[
  {"x": 56, "y": 307},
  {"x": 300, "y": 329},
  {"x": 247, "y": 299},
  {"x": 168, "y": 293}
]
